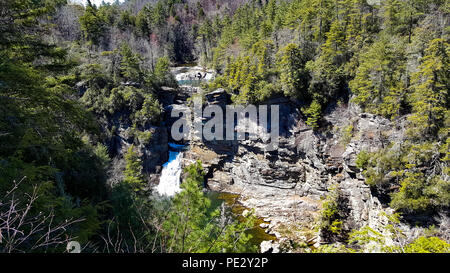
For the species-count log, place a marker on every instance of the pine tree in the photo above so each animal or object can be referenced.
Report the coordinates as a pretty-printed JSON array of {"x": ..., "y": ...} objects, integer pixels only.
[
  {"x": 130, "y": 64},
  {"x": 378, "y": 84},
  {"x": 40, "y": 135},
  {"x": 162, "y": 75},
  {"x": 293, "y": 75},
  {"x": 191, "y": 227},
  {"x": 430, "y": 98},
  {"x": 142, "y": 23},
  {"x": 313, "y": 114},
  {"x": 133, "y": 170},
  {"x": 92, "y": 24}
]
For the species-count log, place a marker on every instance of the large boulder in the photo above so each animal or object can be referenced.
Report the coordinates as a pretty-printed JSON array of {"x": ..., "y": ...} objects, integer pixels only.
[
  {"x": 218, "y": 97},
  {"x": 269, "y": 247}
]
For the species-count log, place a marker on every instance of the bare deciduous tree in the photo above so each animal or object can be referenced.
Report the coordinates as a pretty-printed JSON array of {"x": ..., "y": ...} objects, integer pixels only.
[{"x": 24, "y": 231}]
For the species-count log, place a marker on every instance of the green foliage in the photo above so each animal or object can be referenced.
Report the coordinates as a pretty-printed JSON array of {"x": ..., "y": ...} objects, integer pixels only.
[
  {"x": 430, "y": 98},
  {"x": 428, "y": 245},
  {"x": 329, "y": 248},
  {"x": 191, "y": 227},
  {"x": 126, "y": 20},
  {"x": 293, "y": 75},
  {"x": 138, "y": 106},
  {"x": 369, "y": 240},
  {"x": 92, "y": 24},
  {"x": 144, "y": 137},
  {"x": 41, "y": 128},
  {"x": 347, "y": 135},
  {"x": 247, "y": 76},
  {"x": 419, "y": 193},
  {"x": 94, "y": 76},
  {"x": 387, "y": 239},
  {"x": 133, "y": 170},
  {"x": 366, "y": 235},
  {"x": 362, "y": 159},
  {"x": 330, "y": 222},
  {"x": 380, "y": 166},
  {"x": 162, "y": 75},
  {"x": 379, "y": 86},
  {"x": 409, "y": 167},
  {"x": 313, "y": 114},
  {"x": 101, "y": 152},
  {"x": 129, "y": 65},
  {"x": 324, "y": 49},
  {"x": 392, "y": 59}
]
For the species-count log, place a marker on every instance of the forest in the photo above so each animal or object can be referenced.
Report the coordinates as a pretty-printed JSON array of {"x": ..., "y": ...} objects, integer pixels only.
[{"x": 70, "y": 73}]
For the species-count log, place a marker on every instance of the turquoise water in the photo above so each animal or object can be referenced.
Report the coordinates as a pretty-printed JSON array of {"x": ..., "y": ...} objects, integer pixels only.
[
  {"x": 174, "y": 152},
  {"x": 176, "y": 147},
  {"x": 194, "y": 83}
]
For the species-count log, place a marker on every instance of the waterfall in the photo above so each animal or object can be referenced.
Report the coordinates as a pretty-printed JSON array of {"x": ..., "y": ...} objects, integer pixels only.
[{"x": 169, "y": 183}]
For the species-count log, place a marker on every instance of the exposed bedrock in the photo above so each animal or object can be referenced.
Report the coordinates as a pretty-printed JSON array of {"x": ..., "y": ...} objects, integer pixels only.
[{"x": 286, "y": 187}]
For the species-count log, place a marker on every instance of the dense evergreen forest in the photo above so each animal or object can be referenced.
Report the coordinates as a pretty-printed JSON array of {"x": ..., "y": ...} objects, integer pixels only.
[{"x": 69, "y": 72}]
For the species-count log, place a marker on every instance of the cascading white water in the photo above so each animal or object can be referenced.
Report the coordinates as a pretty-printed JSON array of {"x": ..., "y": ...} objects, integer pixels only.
[{"x": 169, "y": 183}]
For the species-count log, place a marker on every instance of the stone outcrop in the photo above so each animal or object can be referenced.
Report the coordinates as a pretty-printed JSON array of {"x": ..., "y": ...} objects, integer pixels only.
[
  {"x": 153, "y": 151},
  {"x": 286, "y": 187},
  {"x": 270, "y": 247}
]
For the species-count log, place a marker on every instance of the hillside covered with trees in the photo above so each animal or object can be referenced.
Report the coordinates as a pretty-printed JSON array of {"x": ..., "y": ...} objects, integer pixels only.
[{"x": 71, "y": 75}]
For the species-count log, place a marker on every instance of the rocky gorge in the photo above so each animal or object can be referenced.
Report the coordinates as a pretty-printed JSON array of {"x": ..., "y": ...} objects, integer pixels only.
[{"x": 285, "y": 188}]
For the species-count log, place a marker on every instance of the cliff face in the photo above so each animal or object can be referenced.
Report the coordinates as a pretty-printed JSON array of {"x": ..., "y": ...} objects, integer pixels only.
[
  {"x": 286, "y": 187},
  {"x": 150, "y": 141},
  {"x": 153, "y": 153}
]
